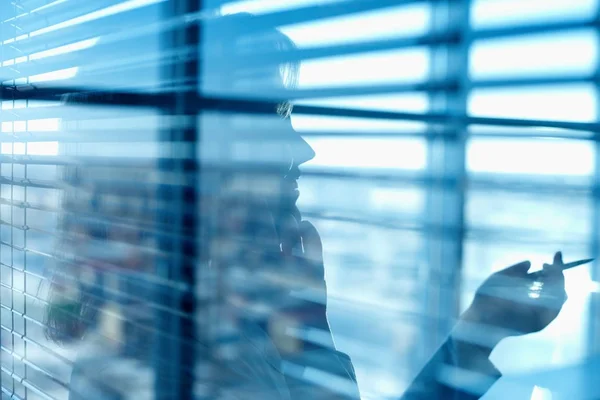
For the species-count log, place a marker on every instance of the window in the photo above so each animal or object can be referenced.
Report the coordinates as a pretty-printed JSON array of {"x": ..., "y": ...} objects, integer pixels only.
[{"x": 451, "y": 140}]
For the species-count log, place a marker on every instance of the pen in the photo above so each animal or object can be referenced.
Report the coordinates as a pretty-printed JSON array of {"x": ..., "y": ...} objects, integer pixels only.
[
  {"x": 566, "y": 266},
  {"x": 577, "y": 263}
]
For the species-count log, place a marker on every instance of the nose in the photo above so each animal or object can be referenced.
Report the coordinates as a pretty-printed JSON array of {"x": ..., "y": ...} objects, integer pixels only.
[{"x": 299, "y": 149}]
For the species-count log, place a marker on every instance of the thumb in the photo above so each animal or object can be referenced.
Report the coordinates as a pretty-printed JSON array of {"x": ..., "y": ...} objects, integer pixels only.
[
  {"x": 516, "y": 270},
  {"x": 557, "y": 263}
]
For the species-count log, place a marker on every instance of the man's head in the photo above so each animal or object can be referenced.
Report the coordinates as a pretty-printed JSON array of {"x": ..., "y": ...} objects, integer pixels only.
[{"x": 244, "y": 59}]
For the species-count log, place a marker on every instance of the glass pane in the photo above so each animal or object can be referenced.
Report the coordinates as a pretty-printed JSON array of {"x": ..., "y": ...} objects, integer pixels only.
[
  {"x": 377, "y": 284},
  {"x": 411, "y": 20},
  {"x": 264, "y": 6},
  {"x": 572, "y": 53},
  {"x": 409, "y": 102},
  {"x": 575, "y": 103},
  {"x": 377, "y": 67},
  {"x": 550, "y": 157},
  {"x": 368, "y": 153},
  {"x": 494, "y": 13}
]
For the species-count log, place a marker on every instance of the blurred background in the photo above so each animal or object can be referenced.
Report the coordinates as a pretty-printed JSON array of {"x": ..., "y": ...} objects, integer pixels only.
[{"x": 452, "y": 138}]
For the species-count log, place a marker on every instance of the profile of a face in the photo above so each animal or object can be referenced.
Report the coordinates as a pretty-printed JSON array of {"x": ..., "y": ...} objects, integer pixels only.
[{"x": 261, "y": 151}]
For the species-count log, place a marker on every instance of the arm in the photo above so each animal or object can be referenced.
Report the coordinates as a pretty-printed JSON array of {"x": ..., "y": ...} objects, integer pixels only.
[
  {"x": 504, "y": 306},
  {"x": 459, "y": 370}
]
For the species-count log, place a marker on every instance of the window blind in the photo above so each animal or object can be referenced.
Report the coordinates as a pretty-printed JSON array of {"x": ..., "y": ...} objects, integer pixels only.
[{"x": 452, "y": 138}]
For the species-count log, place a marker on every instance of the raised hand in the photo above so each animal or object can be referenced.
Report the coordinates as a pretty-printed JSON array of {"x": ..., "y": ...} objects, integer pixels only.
[
  {"x": 300, "y": 268},
  {"x": 277, "y": 264},
  {"x": 514, "y": 302}
]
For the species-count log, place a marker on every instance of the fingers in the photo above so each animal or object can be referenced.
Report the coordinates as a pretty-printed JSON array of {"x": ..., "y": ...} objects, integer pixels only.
[
  {"x": 552, "y": 295},
  {"x": 262, "y": 229},
  {"x": 554, "y": 280},
  {"x": 558, "y": 258},
  {"x": 311, "y": 242},
  {"x": 289, "y": 234},
  {"x": 557, "y": 264},
  {"x": 313, "y": 250},
  {"x": 517, "y": 270},
  {"x": 554, "y": 272}
]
